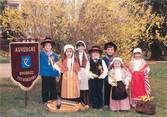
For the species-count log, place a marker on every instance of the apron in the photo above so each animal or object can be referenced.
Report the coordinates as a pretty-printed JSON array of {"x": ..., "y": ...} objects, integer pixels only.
[
  {"x": 119, "y": 91},
  {"x": 83, "y": 79}
]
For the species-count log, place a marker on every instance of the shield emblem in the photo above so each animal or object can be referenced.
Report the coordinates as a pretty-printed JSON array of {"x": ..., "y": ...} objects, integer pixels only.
[{"x": 24, "y": 63}]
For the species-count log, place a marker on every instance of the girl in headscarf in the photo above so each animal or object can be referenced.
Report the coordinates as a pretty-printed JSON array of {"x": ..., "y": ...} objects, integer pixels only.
[
  {"x": 119, "y": 79},
  {"x": 69, "y": 67},
  {"x": 82, "y": 59},
  {"x": 139, "y": 69}
]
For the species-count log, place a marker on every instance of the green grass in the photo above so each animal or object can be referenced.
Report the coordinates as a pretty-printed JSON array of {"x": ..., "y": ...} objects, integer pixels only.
[{"x": 12, "y": 100}]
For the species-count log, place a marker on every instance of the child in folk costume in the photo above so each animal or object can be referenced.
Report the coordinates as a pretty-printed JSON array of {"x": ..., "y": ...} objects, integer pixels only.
[
  {"x": 139, "y": 84},
  {"x": 47, "y": 72},
  {"x": 119, "y": 79},
  {"x": 70, "y": 88},
  {"x": 110, "y": 50},
  {"x": 82, "y": 59},
  {"x": 97, "y": 71}
]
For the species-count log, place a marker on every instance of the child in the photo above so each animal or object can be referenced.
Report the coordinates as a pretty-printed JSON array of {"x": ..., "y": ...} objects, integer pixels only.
[
  {"x": 47, "y": 72},
  {"x": 119, "y": 79},
  {"x": 139, "y": 84},
  {"x": 97, "y": 71},
  {"x": 70, "y": 68},
  {"x": 110, "y": 50},
  {"x": 82, "y": 59}
]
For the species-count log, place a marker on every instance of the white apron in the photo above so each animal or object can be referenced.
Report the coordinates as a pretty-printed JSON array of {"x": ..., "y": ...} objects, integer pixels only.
[{"x": 83, "y": 79}]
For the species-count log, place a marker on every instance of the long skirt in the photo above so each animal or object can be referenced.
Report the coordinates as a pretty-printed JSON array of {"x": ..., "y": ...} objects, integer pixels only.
[
  {"x": 117, "y": 105},
  {"x": 70, "y": 85},
  {"x": 137, "y": 87}
]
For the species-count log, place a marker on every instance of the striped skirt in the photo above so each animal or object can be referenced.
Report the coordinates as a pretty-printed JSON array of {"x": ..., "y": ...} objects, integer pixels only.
[{"x": 70, "y": 85}]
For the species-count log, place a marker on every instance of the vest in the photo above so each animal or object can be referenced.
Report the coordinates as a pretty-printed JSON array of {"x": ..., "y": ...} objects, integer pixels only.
[{"x": 96, "y": 68}]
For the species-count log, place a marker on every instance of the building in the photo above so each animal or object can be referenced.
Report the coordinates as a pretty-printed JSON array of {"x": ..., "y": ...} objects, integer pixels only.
[{"x": 13, "y": 3}]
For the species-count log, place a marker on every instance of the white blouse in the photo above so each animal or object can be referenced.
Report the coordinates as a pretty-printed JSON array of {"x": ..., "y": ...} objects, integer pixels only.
[
  {"x": 118, "y": 74},
  {"x": 69, "y": 63},
  {"x": 80, "y": 57},
  {"x": 137, "y": 64},
  {"x": 92, "y": 75}
]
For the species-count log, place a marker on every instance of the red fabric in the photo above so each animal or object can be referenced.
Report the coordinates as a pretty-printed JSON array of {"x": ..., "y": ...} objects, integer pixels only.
[
  {"x": 84, "y": 59},
  {"x": 138, "y": 84},
  {"x": 63, "y": 66}
]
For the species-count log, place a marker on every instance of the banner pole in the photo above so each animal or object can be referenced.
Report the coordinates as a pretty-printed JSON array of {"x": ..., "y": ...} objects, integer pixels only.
[{"x": 26, "y": 98}]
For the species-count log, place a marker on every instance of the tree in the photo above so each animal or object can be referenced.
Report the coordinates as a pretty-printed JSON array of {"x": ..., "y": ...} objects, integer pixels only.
[
  {"x": 37, "y": 19},
  {"x": 125, "y": 22},
  {"x": 2, "y": 2}
]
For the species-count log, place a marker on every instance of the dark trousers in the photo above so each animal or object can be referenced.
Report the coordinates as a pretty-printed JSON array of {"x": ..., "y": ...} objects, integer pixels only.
[
  {"x": 96, "y": 95},
  {"x": 107, "y": 89},
  {"x": 84, "y": 96},
  {"x": 49, "y": 89}
]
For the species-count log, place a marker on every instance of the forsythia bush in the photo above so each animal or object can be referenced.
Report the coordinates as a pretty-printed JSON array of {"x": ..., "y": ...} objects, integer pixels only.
[{"x": 125, "y": 22}]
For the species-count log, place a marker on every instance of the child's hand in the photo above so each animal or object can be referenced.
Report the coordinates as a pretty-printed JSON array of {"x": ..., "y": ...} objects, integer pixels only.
[
  {"x": 94, "y": 75},
  {"x": 101, "y": 76}
]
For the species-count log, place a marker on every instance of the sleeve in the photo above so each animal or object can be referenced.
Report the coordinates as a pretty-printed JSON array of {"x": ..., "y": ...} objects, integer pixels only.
[
  {"x": 56, "y": 66},
  {"x": 109, "y": 78},
  {"x": 147, "y": 70},
  {"x": 105, "y": 70},
  {"x": 127, "y": 77},
  {"x": 79, "y": 75}
]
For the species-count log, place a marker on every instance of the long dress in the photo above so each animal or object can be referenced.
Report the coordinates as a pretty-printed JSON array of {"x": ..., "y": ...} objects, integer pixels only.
[
  {"x": 84, "y": 88},
  {"x": 119, "y": 99},
  {"x": 140, "y": 85},
  {"x": 70, "y": 87}
]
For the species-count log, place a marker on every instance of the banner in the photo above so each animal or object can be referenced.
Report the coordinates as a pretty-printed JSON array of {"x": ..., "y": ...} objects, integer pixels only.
[{"x": 24, "y": 63}]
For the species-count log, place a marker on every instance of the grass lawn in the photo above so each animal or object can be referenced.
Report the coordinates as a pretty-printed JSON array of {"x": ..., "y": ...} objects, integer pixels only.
[{"x": 12, "y": 100}]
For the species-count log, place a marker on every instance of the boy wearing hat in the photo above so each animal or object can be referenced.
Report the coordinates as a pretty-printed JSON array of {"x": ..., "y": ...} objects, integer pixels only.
[
  {"x": 82, "y": 59},
  {"x": 139, "y": 69},
  {"x": 47, "y": 72},
  {"x": 110, "y": 50},
  {"x": 97, "y": 71}
]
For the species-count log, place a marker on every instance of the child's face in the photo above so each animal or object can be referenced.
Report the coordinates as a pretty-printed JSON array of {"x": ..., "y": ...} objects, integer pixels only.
[
  {"x": 69, "y": 53},
  {"x": 80, "y": 48},
  {"x": 117, "y": 64},
  {"x": 95, "y": 55},
  {"x": 110, "y": 51},
  {"x": 137, "y": 55},
  {"x": 48, "y": 47}
]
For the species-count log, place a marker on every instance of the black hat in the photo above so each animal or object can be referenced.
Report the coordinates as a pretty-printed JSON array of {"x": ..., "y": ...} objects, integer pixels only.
[
  {"x": 110, "y": 45},
  {"x": 47, "y": 40},
  {"x": 95, "y": 49}
]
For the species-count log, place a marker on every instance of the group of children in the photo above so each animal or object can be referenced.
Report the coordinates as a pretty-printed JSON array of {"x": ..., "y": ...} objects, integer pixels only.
[{"x": 92, "y": 79}]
